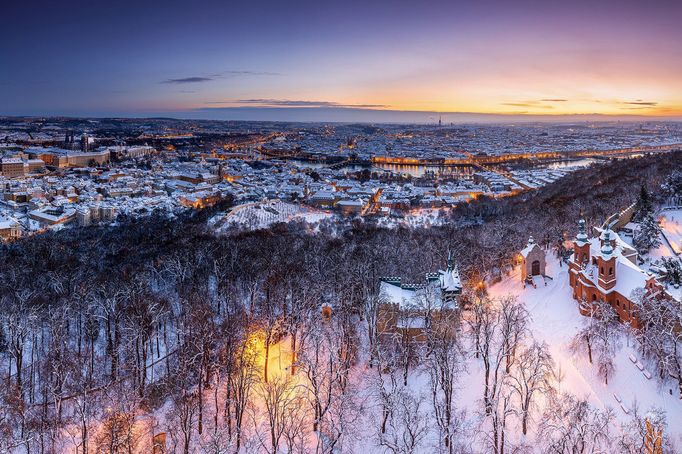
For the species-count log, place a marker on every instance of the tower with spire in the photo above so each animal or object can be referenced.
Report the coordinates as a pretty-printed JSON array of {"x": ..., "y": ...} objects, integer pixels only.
[
  {"x": 581, "y": 245},
  {"x": 606, "y": 262}
]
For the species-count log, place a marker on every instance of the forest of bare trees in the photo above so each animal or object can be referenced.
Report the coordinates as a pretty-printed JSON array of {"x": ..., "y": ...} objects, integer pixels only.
[{"x": 103, "y": 329}]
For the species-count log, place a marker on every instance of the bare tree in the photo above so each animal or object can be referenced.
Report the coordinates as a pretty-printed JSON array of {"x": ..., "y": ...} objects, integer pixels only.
[
  {"x": 325, "y": 381},
  {"x": 407, "y": 424},
  {"x": 492, "y": 353},
  {"x": 183, "y": 418},
  {"x": 240, "y": 384},
  {"x": 277, "y": 395},
  {"x": 600, "y": 336},
  {"x": 19, "y": 319},
  {"x": 384, "y": 382},
  {"x": 513, "y": 328},
  {"x": 405, "y": 347},
  {"x": 530, "y": 378},
  {"x": 443, "y": 364},
  {"x": 570, "y": 425},
  {"x": 584, "y": 339},
  {"x": 661, "y": 335},
  {"x": 116, "y": 434},
  {"x": 296, "y": 421},
  {"x": 502, "y": 408},
  {"x": 371, "y": 310},
  {"x": 475, "y": 320},
  {"x": 84, "y": 414}
]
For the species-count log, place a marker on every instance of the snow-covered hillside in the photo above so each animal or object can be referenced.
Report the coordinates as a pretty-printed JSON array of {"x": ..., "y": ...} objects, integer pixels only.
[{"x": 259, "y": 215}]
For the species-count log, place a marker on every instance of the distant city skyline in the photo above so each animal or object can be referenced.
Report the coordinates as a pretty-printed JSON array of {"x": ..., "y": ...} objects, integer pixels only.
[{"x": 351, "y": 61}]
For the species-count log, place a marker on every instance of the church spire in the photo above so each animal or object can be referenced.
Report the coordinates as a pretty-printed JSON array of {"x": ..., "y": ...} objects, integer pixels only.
[
  {"x": 606, "y": 248},
  {"x": 582, "y": 235},
  {"x": 450, "y": 264}
]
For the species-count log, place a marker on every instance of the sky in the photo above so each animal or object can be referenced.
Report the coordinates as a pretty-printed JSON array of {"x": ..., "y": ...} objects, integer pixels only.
[{"x": 351, "y": 60}]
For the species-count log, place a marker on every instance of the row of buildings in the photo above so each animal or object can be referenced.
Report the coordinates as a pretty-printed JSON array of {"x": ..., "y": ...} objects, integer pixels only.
[
  {"x": 81, "y": 195},
  {"x": 138, "y": 180},
  {"x": 34, "y": 160},
  {"x": 420, "y": 143}
]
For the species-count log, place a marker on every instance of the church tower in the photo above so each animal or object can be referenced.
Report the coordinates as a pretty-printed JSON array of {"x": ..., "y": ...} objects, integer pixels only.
[
  {"x": 581, "y": 245},
  {"x": 607, "y": 237},
  {"x": 606, "y": 261}
]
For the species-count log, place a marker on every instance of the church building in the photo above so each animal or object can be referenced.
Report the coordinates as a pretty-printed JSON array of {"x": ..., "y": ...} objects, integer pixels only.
[
  {"x": 532, "y": 261},
  {"x": 604, "y": 268}
]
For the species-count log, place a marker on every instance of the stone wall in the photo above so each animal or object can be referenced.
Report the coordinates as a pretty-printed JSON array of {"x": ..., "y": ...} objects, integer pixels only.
[{"x": 618, "y": 220}]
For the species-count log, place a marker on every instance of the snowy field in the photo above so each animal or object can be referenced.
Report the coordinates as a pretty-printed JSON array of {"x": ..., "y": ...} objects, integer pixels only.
[
  {"x": 556, "y": 320},
  {"x": 671, "y": 224},
  {"x": 259, "y": 215}
]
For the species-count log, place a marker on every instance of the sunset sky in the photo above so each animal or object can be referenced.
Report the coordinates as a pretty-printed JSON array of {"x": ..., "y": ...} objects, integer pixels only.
[{"x": 203, "y": 59}]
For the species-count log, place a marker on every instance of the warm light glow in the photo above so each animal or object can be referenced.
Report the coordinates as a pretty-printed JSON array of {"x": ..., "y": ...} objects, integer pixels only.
[{"x": 279, "y": 354}]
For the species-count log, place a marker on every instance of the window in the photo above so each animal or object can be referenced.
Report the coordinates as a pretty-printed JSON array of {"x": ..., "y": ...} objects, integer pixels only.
[
  {"x": 618, "y": 303},
  {"x": 611, "y": 271},
  {"x": 594, "y": 297},
  {"x": 601, "y": 270}
]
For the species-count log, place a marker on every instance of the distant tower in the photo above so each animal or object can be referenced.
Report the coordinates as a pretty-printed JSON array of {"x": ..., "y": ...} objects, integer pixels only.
[
  {"x": 440, "y": 121},
  {"x": 68, "y": 139},
  {"x": 85, "y": 142}
]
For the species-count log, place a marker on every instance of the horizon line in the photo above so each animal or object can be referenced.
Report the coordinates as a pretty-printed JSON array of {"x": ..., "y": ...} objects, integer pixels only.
[{"x": 279, "y": 114}]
